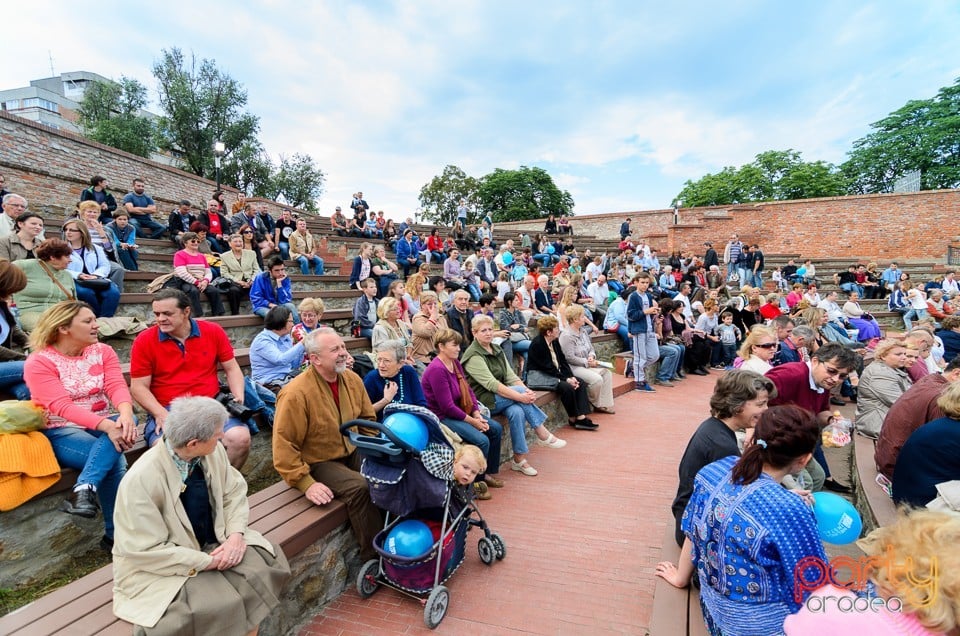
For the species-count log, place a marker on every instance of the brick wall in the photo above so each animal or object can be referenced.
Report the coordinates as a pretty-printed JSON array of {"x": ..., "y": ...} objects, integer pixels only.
[
  {"x": 51, "y": 168},
  {"x": 917, "y": 225}
]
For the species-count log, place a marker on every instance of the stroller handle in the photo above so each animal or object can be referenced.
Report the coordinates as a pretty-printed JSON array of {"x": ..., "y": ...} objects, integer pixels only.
[{"x": 375, "y": 443}]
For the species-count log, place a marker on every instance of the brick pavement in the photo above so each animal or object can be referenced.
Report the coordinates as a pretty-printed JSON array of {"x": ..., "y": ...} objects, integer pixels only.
[{"x": 582, "y": 537}]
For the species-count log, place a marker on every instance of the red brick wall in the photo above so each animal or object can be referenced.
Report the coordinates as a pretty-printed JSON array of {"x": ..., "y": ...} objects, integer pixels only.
[
  {"x": 50, "y": 168},
  {"x": 917, "y": 225}
]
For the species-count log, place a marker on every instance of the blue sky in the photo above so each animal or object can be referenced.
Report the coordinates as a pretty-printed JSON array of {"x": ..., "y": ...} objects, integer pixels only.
[{"x": 621, "y": 102}]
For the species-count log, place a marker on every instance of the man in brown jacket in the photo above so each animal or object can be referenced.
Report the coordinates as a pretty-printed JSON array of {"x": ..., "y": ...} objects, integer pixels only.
[{"x": 308, "y": 450}]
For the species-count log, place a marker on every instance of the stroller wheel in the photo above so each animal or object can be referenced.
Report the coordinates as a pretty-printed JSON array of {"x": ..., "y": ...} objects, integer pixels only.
[
  {"x": 499, "y": 547},
  {"x": 436, "y": 607},
  {"x": 367, "y": 582},
  {"x": 486, "y": 549}
]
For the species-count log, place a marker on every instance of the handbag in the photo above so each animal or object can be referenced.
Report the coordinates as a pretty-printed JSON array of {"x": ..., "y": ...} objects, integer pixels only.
[
  {"x": 537, "y": 379},
  {"x": 518, "y": 336},
  {"x": 96, "y": 284}
]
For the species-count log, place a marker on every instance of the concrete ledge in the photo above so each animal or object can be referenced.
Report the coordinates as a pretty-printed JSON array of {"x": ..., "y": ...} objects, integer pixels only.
[{"x": 875, "y": 507}]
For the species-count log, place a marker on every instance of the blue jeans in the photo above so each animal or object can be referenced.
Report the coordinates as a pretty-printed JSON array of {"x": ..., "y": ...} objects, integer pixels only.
[
  {"x": 669, "y": 362},
  {"x": 758, "y": 279},
  {"x": 262, "y": 311},
  {"x": 366, "y": 332},
  {"x": 306, "y": 261},
  {"x": 915, "y": 314},
  {"x": 11, "y": 379},
  {"x": 128, "y": 259},
  {"x": 104, "y": 303},
  {"x": 852, "y": 287},
  {"x": 100, "y": 464},
  {"x": 284, "y": 248},
  {"x": 518, "y": 414},
  {"x": 488, "y": 442},
  {"x": 150, "y": 435},
  {"x": 474, "y": 291},
  {"x": 146, "y": 227}
]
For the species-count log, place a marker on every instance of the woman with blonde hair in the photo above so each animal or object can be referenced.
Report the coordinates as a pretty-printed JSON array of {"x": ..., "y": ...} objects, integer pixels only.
[
  {"x": 413, "y": 289},
  {"x": 311, "y": 311},
  {"x": 577, "y": 347},
  {"x": 426, "y": 324},
  {"x": 390, "y": 327},
  {"x": 758, "y": 349},
  {"x": 75, "y": 378},
  {"x": 920, "y": 575},
  {"x": 882, "y": 382}
]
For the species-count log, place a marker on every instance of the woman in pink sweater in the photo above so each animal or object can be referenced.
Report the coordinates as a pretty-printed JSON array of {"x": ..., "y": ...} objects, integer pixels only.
[
  {"x": 75, "y": 378},
  {"x": 192, "y": 275}
]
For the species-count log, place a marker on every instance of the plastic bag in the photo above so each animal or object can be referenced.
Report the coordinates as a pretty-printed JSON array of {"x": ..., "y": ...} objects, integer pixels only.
[
  {"x": 21, "y": 416},
  {"x": 837, "y": 433}
]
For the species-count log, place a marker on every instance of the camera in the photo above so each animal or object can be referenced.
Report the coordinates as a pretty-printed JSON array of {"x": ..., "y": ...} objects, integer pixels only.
[{"x": 234, "y": 408}]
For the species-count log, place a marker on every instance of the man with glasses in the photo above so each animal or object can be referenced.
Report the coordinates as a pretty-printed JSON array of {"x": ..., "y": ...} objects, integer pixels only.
[
  {"x": 808, "y": 385},
  {"x": 140, "y": 207},
  {"x": 13, "y": 206}
]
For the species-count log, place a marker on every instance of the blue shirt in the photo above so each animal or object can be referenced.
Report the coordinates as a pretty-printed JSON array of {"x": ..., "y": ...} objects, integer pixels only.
[
  {"x": 138, "y": 201},
  {"x": 274, "y": 357},
  {"x": 746, "y": 543}
]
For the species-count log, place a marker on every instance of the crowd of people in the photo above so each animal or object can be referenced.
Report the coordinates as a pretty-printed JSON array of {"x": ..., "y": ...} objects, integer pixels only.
[{"x": 440, "y": 341}]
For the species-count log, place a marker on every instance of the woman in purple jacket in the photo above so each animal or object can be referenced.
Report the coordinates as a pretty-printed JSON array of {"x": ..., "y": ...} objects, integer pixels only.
[{"x": 450, "y": 397}]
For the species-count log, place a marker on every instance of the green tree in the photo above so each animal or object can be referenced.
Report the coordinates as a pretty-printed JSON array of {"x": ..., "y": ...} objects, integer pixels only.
[
  {"x": 250, "y": 169},
  {"x": 298, "y": 181},
  {"x": 441, "y": 197},
  {"x": 110, "y": 112},
  {"x": 527, "y": 193},
  {"x": 201, "y": 105},
  {"x": 923, "y": 135},
  {"x": 774, "y": 175}
]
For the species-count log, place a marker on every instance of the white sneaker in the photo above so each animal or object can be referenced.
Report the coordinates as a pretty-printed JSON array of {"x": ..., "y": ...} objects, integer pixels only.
[
  {"x": 552, "y": 442},
  {"x": 523, "y": 467}
]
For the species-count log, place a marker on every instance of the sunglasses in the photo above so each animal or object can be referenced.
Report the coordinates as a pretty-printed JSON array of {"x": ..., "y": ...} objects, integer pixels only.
[{"x": 767, "y": 345}]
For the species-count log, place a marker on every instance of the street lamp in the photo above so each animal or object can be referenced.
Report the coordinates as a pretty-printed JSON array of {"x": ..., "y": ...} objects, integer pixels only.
[
  {"x": 676, "y": 211},
  {"x": 218, "y": 149}
]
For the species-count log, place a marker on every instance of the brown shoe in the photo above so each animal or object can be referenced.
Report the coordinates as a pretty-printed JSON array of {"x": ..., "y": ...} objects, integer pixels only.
[
  {"x": 480, "y": 491},
  {"x": 493, "y": 482}
]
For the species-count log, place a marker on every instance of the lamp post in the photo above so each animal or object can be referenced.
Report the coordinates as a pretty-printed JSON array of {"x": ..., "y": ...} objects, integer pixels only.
[
  {"x": 676, "y": 211},
  {"x": 218, "y": 149}
]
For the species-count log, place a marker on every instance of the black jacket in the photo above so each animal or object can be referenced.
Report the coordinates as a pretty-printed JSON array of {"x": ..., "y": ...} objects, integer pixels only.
[
  {"x": 538, "y": 359},
  {"x": 453, "y": 321}
]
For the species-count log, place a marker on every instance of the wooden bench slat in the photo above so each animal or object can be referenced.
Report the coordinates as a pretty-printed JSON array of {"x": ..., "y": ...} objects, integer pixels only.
[
  {"x": 296, "y": 535},
  {"x": 79, "y": 613},
  {"x": 41, "y": 607}
]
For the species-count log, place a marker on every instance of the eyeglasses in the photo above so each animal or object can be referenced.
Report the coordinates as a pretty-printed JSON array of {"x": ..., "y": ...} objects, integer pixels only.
[
  {"x": 247, "y": 232},
  {"x": 834, "y": 371},
  {"x": 767, "y": 345}
]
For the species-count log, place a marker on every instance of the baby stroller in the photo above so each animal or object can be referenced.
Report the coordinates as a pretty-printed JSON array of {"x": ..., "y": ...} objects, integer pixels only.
[{"x": 408, "y": 484}]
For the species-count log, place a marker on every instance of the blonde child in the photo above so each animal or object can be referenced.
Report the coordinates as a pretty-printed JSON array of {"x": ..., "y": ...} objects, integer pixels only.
[
  {"x": 468, "y": 464},
  {"x": 503, "y": 285}
]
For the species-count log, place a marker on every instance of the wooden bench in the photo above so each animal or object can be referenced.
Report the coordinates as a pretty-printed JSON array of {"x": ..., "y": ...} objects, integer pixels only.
[
  {"x": 676, "y": 612},
  {"x": 875, "y": 507},
  {"x": 280, "y": 513}
]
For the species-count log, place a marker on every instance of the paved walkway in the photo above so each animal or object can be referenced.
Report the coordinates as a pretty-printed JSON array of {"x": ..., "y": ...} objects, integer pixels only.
[{"x": 582, "y": 537}]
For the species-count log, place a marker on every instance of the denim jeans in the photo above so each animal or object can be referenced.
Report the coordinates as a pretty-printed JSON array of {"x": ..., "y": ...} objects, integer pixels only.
[
  {"x": 128, "y": 259},
  {"x": 146, "y": 227},
  {"x": 150, "y": 435},
  {"x": 518, "y": 414},
  {"x": 104, "y": 303},
  {"x": 915, "y": 314},
  {"x": 474, "y": 292},
  {"x": 852, "y": 287},
  {"x": 669, "y": 362},
  {"x": 624, "y": 334},
  {"x": 100, "y": 464},
  {"x": 11, "y": 379},
  {"x": 758, "y": 279},
  {"x": 488, "y": 442},
  {"x": 262, "y": 311},
  {"x": 284, "y": 248},
  {"x": 306, "y": 261}
]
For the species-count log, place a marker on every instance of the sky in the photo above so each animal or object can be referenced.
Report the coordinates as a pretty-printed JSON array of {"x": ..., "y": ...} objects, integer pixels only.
[{"x": 621, "y": 102}]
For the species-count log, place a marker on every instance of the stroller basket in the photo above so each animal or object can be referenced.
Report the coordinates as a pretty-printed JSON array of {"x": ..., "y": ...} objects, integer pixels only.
[{"x": 416, "y": 575}]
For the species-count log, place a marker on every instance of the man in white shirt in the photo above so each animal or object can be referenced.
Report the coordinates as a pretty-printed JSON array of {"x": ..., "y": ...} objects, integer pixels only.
[
  {"x": 949, "y": 285},
  {"x": 527, "y": 292},
  {"x": 829, "y": 305},
  {"x": 683, "y": 297},
  {"x": 599, "y": 291},
  {"x": 13, "y": 206}
]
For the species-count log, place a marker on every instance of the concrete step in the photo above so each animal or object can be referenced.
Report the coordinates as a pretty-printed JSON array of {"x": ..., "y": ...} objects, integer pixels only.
[
  {"x": 138, "y": 304},
  {"x": 136, "y": 282}
]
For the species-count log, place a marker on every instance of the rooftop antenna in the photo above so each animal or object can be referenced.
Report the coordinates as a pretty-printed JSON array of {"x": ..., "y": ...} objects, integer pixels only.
[{"x": 50, "y": 55}]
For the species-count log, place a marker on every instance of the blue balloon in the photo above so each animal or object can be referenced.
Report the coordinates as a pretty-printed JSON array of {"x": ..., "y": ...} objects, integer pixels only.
[
  {"x": 410, "y": 538},
  {"x": 409, "y": 428},
  {"x": 507, "y": 258},
  {"x": 837, "y": 520},
  {"x": 551, "y": 249}
]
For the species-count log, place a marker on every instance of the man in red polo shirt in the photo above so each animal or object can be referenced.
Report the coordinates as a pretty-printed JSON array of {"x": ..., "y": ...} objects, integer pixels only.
[
  {"x": 808, "y": 385},
  {"x": 178, "y": 357}
]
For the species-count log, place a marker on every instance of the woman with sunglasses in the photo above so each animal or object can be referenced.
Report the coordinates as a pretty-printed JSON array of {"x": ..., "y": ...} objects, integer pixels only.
[
  {"x": 250, "y": 243},
  {"x": 758, "y": 349}
]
